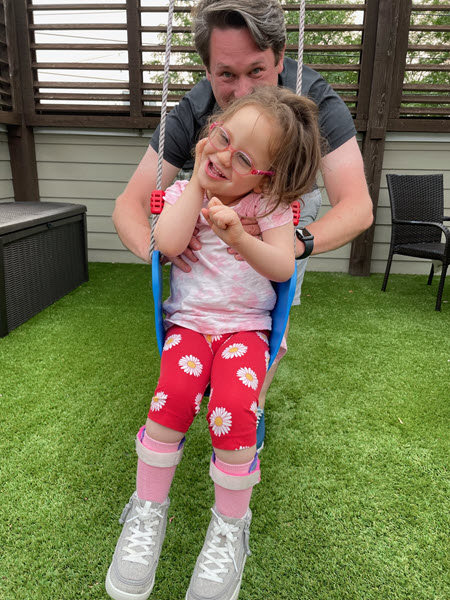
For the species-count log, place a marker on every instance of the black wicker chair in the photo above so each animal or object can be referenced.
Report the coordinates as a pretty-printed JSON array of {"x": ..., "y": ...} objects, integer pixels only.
[{"x": 417, "y": 208}]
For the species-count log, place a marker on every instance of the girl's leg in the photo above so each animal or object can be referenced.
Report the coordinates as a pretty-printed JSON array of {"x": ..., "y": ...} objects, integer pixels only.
[
  {"x": 185, "y": 369},
  {"x": 184, "y": 375},
  {"x": 157, "y": 462},
  {"x": 237, "y": 375}
]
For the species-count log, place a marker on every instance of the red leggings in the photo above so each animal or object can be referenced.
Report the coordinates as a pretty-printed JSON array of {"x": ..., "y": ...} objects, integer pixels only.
[{"x": 234, "y": 364}]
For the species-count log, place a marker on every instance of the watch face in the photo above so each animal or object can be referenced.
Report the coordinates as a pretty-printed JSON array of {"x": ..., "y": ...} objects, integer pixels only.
[{"x": 304, "y": 234}]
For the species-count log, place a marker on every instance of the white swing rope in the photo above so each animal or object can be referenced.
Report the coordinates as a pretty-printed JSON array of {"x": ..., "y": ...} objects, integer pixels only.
[
  {"x": 301, "y": 40},
  {"x": 298, "y": 86},
  {"x": 162, "y": 126},
  {"x": 165, "y": 93}
]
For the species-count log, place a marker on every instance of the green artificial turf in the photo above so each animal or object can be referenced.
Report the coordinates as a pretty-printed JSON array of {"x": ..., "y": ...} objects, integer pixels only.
[{"x": 354, "y": 498}]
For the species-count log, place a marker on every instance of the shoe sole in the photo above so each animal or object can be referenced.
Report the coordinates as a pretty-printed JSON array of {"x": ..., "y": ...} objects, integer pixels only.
[
  {"x": 236, "y": 591},
  {"x": 117, "y": 594}
]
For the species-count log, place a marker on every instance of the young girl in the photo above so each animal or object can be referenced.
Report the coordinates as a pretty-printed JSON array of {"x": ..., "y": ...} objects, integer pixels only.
[{"x": 260, "y": 154}]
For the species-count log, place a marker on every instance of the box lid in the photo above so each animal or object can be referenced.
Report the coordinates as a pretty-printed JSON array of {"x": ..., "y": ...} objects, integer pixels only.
[{"x": 16, "y": 216}]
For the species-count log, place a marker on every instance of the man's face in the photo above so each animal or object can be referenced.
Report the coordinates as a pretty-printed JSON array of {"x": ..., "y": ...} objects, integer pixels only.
[{"x": 237, "y": 65}]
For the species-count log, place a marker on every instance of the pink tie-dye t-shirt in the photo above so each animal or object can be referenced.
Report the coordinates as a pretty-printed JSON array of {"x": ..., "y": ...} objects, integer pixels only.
[{"x": 220, "y": 294}]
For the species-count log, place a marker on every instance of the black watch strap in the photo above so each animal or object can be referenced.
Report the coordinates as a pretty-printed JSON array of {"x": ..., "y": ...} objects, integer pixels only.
[{"x": 308, "y": 239}]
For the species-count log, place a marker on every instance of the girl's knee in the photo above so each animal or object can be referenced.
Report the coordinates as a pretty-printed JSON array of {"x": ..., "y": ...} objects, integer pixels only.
[
  {"x": 236, "y": 457},
  {"x": 161, "y": 433}
]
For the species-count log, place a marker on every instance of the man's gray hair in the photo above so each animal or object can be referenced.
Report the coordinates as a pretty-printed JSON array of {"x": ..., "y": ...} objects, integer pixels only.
[{"x": 263, "y": 18}]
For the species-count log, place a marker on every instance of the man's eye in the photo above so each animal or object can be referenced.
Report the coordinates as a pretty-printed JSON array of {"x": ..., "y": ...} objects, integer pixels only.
[
  {"x": 256, "y": 71},
  {"x": 227, "y": 75}
]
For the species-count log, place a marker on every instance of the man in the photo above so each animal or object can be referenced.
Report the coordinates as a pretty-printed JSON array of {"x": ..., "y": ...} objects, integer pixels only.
[{"x": 241, "y": 43}]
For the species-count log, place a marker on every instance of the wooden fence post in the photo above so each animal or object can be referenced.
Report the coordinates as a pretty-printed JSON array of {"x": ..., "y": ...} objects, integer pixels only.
[
  {"x": 20, "y": 137},
  {"x": 392, "y": 30},
  {"x": 134, "y": 58}
]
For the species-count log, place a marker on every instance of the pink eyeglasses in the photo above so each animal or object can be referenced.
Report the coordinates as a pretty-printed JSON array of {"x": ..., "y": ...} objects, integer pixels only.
[{"x": 240, "y": 162}]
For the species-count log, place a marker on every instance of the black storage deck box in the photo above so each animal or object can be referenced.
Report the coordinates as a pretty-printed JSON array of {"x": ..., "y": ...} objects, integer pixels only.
[{"x": 43, "y": 256}]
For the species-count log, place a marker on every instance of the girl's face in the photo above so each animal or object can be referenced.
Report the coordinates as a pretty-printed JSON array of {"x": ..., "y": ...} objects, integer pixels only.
[{"x": 249, "y": 131}]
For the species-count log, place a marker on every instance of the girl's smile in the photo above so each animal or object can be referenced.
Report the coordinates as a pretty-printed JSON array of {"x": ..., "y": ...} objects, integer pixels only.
[{"x": 213, "y": 171}]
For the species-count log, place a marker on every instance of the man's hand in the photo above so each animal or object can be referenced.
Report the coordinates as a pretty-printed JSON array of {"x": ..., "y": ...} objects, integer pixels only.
[{"x": 178, "y": 261}]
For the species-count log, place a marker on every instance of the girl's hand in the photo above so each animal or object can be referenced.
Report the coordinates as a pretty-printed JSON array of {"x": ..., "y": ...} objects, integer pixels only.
[
  {"x": 250, "y": 225},
  {"x": 224, "y": 221},
  {"x": 198, "y": 155}
]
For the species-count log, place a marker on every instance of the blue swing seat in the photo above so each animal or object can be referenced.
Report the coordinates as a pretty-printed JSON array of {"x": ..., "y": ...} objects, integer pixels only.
[{"x": 280, "y": 314}]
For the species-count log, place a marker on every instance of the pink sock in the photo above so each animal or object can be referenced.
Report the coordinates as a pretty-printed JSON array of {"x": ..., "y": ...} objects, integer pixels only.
[
  {"x": 153, "y": 483},
  {"x": 233, "y": 503}
]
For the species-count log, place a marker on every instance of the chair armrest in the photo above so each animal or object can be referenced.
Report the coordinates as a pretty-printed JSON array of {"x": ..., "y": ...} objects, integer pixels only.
[{"x": 445, "y": 230}]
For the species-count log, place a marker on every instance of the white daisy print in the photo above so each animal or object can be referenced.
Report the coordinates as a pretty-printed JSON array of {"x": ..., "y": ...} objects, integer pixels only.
[
  {"x": 248, "y": 377},
  {"x": 212, "y": 338},
  {"x": 254, "y": 407},
  {"x": 243, "y": 447},
  {"x": 234, "y": 350},
  {"x": 267, "y": 356},
  {"x": 263, "y": 336},
  {"x": 220, "y": 421},
  {"x": 191, "y": 365},
  {"x": 198, "y": 402},
  {"x": 171, "y": 341},
  {"x": 158, "y": 401}
]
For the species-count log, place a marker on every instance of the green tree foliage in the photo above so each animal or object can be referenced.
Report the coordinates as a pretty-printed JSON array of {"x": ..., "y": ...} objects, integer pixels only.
[
  {"x": 181, "y": 58},
  {"x": 334, "y": 38},
  {"x": 431, "y": 37},
  {"x": 434, "y": 56},
  {"x": 321, "y": 56}
]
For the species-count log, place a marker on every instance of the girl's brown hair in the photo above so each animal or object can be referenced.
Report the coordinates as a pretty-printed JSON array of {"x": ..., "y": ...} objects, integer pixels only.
[{"x": 296, "y": 145}]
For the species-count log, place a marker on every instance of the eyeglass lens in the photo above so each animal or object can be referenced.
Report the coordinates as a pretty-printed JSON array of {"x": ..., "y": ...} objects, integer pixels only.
[{"x": 240, "y": 162}]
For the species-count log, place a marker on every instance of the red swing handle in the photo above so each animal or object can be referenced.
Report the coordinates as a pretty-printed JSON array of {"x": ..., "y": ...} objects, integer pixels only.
[
  {"x": 157, "y": 202},
  {"x": 295, "y": 206}
]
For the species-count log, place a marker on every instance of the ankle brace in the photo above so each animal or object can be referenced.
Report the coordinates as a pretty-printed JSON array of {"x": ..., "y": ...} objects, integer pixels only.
[
  {"x": 158, "y": 459},
  {"x": 235, "y": 482}
]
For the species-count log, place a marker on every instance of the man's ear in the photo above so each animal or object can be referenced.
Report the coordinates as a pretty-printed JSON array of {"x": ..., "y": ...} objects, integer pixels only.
[
  {"x": 208, "y": 75},
  {"x": 280, "y": 64}
]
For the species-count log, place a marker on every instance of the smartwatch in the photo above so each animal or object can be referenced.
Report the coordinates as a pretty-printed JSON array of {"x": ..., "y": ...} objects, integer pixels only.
[{"x": 308, "y": 239}]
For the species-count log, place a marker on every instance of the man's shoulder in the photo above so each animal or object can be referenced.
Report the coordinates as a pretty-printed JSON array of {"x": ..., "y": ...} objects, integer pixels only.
[
  {"x": 199, "y": 100},
  {"x": 310, "y": 78},
  {"x": 336, "y": 122}
]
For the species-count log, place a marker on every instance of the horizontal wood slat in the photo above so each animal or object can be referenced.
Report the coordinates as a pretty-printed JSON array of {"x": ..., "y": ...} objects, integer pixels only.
[{"x": 334, "y": 46}]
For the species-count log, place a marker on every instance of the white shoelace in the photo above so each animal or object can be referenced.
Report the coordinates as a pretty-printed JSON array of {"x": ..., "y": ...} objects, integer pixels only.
[
  {"x": 150, "y": 517},
  {"x": 220, "y": 551}
]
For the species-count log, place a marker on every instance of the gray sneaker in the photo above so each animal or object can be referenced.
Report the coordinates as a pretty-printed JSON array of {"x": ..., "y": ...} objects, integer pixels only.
[
  {"x": 132, "y": 572},
  {"x": 218, "y": 571}
]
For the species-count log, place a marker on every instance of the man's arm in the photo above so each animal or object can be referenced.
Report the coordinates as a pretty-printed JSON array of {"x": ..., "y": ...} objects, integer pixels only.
[
  {"x": 132, "y": 210},
  {"x": 351, "y": 212}
]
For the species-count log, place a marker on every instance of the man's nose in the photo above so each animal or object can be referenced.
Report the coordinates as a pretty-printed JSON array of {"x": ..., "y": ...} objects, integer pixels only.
[{"x": 244, "y": 87}]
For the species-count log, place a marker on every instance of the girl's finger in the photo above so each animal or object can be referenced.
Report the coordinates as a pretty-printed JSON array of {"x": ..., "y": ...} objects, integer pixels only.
[{"x": 214, "y": 202}]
